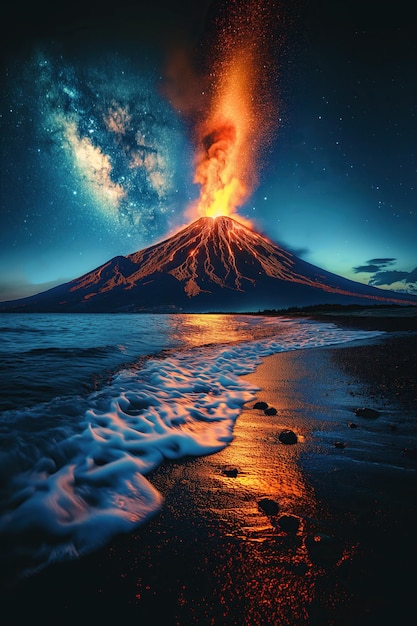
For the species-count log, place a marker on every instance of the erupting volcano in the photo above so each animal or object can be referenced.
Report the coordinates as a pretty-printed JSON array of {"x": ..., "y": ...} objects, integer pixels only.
[
  {"x": 214, "y": 264},
  {"x": 217, "y": 262}
]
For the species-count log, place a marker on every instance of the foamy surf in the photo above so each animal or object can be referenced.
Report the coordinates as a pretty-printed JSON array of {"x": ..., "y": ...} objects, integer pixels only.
[{"x": 92, "y": 484}]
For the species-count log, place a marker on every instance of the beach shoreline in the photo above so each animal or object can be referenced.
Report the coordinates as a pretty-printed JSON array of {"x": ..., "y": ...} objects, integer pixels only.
[{"x": 213, "y": 555}]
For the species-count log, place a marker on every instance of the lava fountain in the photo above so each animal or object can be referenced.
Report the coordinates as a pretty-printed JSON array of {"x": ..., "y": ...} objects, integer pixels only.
[
  {"x": 234, "y": 116},
  {"x": 226, "y": 142}
]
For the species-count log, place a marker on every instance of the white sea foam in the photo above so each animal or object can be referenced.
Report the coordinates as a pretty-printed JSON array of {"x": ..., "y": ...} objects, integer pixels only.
[{"x": 93, "y": 484}]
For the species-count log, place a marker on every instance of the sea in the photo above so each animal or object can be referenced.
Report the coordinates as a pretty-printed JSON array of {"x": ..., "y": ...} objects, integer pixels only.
[{"x": 90, "y": 404}]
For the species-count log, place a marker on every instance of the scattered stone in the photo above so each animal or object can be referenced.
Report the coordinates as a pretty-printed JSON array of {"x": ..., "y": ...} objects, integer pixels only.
[
  {"x": 339, "y": 444},
  {"x": 393, "y": 427},
  {"x": 289, "y": 523},
  {"x": 323, "y": 549},
  {"x": 270, "y": 411},
  {"x": 352, "y": 425},
  {"x": 411, "y": 453},
  {"x": 268, "y": 506},
  {"x": 231, "y": 472},
  {"x": 365, "y": 412},
  {"x": 288, "y": 436},
  {"x": 260, "y": 405}
]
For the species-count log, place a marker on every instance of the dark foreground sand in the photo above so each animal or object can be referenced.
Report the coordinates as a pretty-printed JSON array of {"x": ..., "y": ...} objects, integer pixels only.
[{"x": 213, "y": 556}]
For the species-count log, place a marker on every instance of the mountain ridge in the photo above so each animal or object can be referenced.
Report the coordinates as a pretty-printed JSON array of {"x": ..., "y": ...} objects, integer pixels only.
[{"x": 211, "y": 262}]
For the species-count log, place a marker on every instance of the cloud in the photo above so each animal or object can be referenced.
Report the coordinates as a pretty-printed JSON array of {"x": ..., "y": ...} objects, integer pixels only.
[
  {"x": 374, "y": 265},
  {"x": 366, "y": 269},
  {"x": 383, "y": 261},
  {"x": 383, "y": 276},
  {"x": 393, "y": 276}
]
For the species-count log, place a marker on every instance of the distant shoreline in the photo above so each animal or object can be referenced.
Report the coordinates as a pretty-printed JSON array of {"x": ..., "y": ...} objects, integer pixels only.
[{"x": 376, "y": 317}]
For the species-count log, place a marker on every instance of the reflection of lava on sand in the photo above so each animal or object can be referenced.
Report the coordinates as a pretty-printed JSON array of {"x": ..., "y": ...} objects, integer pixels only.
[{"x": 232, "y": 114}]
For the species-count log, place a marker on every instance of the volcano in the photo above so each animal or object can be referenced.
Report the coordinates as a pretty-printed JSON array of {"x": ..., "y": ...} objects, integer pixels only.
[{"x": 214, "y": 264}]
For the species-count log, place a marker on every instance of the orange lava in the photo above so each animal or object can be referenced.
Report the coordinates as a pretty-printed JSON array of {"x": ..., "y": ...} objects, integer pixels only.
[
  {"x": 234, "y": 115},
  {"x": 224, "y": 161}
]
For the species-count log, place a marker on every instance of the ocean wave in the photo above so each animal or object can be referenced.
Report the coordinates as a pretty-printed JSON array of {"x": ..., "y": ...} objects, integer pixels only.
[
  {"x": 72, "y": 352},
  {"x": 84, "y": 486},
  {"x": 18, "y": 330}
]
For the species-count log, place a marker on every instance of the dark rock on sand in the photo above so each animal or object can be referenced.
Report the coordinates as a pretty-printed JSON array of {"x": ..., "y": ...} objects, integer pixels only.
[
  {"x": 289, "y": 523},
  {"x": 231, "y": 472},
  {"x": 323, "y": 549},
  {"x": 352, "y": 425},
  {"x": 339, "y": 444},
  {"x": 270, "y": 411},
  {"x": 411, "y": 453},
  {"x": 260, "y": 405},
  {"x": 288, "y": 437},
  {"x": 365, "y": 412},
  {"x": 268, "y": 506}
]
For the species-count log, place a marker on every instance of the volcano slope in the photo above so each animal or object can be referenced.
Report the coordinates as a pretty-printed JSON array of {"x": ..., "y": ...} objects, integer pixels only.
[{"x": 213, "y": 264}]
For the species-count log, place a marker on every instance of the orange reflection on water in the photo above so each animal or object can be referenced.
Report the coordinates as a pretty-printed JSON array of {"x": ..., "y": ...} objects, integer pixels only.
[{"x": 212, "y": 328}]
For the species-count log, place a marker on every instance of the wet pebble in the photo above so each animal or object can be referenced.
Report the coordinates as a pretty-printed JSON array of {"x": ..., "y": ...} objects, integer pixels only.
[
  {"x": 268, "y": 506},
  {"x": 231, "y": 472},
  {"x": 289, "y": 523},
  {"x": 366, "y": 412},
  {"x": 411, "y": 453},
  {"x": 260, "y": 405},
  {"x": 288, "y": 437}
]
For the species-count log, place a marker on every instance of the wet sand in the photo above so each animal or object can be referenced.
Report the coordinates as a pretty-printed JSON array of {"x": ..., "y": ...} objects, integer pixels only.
[{"x": 214, "y": 556}]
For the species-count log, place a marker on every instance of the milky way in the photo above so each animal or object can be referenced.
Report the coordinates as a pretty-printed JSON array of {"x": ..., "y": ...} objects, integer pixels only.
[{"x": 114, "y": 137}]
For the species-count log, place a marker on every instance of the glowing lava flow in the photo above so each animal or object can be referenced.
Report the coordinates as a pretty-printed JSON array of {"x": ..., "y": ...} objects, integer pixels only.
[
  {"x": 213, "y": 262},
  {"x": 213, "y": 251}
]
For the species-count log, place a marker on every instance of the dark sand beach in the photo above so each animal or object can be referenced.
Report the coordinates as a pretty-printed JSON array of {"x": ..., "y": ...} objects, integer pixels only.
[{"x": 340, "y": 546}]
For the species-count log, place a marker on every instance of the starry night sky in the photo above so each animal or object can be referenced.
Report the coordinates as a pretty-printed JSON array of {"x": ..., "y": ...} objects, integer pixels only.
[{"x": 97, "y": 161}]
